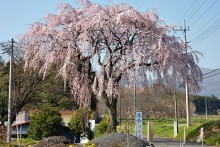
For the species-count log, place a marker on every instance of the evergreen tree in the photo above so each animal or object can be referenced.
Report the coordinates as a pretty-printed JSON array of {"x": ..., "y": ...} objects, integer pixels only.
[{"x": 46, "y": 122}]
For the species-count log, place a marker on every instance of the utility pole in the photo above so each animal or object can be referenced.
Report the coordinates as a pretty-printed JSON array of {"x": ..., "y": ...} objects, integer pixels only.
[
  {"x": 206, "y": 109},
  {"x": 186, "y": 82},
  {"x": 135, "y": 106},
  {"x": 134, "y": 97},
  {"x": 120, "y": 109},
  {"x": 10, "y": 92},
  {"x": 187, "y": 90},
  {"x": 176, "y": 116}
]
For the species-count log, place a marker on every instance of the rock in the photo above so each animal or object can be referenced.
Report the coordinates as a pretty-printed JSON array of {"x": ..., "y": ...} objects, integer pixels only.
[
  {"x": 119, "y": 139},
  {"x": 54, "y": 141}
]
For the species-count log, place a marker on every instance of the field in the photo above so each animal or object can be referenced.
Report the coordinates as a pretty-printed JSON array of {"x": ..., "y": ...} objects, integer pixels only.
[{"x": 164, "y": 127}]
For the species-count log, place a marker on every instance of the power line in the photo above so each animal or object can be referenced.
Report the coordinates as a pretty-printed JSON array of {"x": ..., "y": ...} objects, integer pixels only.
[
  {"x": 197, "y": 10},
  {"x": 207, "y": 35},
  {"x": 211, "y": 71},
  {"x": 208, "y": 22},
  {"x": 214, "y": 25},
  {"x": 203, "y": 13},
  {"x": 211, "y": 75},
  {"x": 207, "y": 32},
  {"x": 211, "y": 84},
  {"x": 210, "y": 30},
  {"x": 188, "y": 10}
]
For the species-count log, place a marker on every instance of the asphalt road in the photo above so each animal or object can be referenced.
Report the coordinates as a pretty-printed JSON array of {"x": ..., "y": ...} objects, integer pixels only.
[{"x": 164, "y": 142}]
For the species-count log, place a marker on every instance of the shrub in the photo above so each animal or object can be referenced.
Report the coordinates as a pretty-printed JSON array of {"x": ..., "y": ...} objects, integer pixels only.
[
  {"x": 214, "y": 140},
  {"x": 211, "y": 132},
  {"x": 101, "y": 128},
  {"x": 46, "y": 122},
  {"x": 78, "y": 121},
  {"x": 79, "y": 125}
]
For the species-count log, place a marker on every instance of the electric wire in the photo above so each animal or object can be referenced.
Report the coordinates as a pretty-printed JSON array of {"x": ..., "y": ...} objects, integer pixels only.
[
  {"x": 211, "y": 71},
  {"x": 208, "y": 22},
  {"x": 204, "y": 12},
  {"x": 211, "y": 84},
  {"x": 197, "y": 10},
  {"x": 188, "y": 10},
  {"x": 210, "y": 30},
  {"x": 207, "y": 31},
  {"x": 211, "y": 75},
  {"x": 211, "y": 33},
  {"x": 207, "y": 35}
]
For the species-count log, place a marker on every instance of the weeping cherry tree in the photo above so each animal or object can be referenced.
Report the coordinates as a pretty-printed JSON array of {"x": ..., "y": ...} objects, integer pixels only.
[{"x": 98, "y": 48}]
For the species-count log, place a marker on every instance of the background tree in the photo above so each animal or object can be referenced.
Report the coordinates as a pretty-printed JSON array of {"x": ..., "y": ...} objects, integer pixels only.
[
  {"x": 52, "y": 92},
  {"x": 154, "y": 104},
  {"x": 79, "y": 123},
  {"x": 3, "y": 93},
  {"x": 46, "y": 122},
  {"x": 108, "y": 46},
  {"x": 101, "y": 128},
  {"x": 24, "y": 83},
  {"x": 29, "y": 89},
  {"x": 213, "y": 104}
]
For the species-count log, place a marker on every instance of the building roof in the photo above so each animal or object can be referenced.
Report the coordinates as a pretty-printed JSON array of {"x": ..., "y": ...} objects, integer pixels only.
[
  {"x": 20, "y": 124},
  {"x": 62, "y": 112}
]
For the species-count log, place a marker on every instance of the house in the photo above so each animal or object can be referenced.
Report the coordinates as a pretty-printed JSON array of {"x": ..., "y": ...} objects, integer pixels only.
[
  {"x": 21, "y": 124},
  {"x": 20, "y": 129},
  {"x": 66, "y": 115}
]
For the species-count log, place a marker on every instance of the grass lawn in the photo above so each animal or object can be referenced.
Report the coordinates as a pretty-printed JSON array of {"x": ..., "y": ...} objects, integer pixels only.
[
  {"x": 164, "y": 127},
  {"x": 24, "y": 142}
]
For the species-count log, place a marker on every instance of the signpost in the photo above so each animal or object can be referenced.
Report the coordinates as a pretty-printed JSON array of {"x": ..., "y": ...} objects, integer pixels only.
[
  {"x": 138, "y": 120},
  {"x": 175, "y": 125},
  {"x": 201, "y": 136},
  {"x": 149, "y": 132}
]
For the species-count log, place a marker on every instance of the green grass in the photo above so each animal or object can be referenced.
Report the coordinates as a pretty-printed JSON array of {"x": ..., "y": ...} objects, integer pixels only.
[
  {"x": 164, "y": 128},
  {"x": 24, "y": 142},
  {"x": 190, "y": 129},
  {"x": 161, "y": 127},
  {"x": 211, "y": 132},
  {"x": 214, "y": 140}
]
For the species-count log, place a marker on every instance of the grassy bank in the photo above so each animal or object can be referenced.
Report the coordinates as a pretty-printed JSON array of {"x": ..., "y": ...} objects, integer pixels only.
[
  {"x": 211, "y": 131},
  {"x": 164, "y": 128}
]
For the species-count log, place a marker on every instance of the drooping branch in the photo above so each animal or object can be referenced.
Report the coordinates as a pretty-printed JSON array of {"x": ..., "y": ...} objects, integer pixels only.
[{"x": 109, "y": 42}]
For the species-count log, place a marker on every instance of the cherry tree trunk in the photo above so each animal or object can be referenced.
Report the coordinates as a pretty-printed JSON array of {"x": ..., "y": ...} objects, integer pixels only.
[{"x": 112, "y": 108}]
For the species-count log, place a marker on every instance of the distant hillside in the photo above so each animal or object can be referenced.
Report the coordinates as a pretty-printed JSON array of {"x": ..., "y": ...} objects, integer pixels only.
[{"x": 210, "y": 85}]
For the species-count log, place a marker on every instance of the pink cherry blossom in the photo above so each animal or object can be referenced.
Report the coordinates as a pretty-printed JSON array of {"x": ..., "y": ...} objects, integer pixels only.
[{"x": 117, "y": 43}]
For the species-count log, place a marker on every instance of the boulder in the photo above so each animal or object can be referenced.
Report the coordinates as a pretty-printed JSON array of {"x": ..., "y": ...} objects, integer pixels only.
[
  {"x": 119, "y": 139},
  {"x": 54, "y": 141}
]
